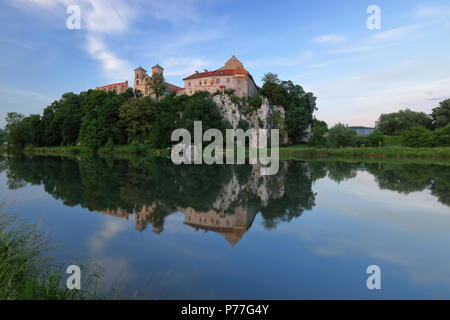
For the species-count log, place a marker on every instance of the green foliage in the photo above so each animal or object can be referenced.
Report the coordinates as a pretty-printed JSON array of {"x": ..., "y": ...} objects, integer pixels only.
[
  {"x": 3, "y": 137},
  {"x": 441, "y": 114},
  {"x": 341, "y": 136},
  {"x": 109, "y": 146},
  {"x": 243, "y": 124},
  {"x": 26, "y": 271},
  {"x": 442, "y": 136},
  {"x": 320, "y": 123},
  {"x": 417, "y": 137},
  {"x": 255, "y": 102},
  {"x": 298, "y": 104},
  {"x": 375, "y": 139},
  {"x": 396, "y": 123},
  {"x": 317, "y": 138},
  {"x": 137, "y": 115},
  {"x": 270, "y": 77},
  {"x": 19, "y": 131},
  {"x": 156, "y": 85}
]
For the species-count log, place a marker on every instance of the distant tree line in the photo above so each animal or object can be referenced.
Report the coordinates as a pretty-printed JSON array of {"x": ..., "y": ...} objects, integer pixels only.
[{"x": 415, "y": 129}]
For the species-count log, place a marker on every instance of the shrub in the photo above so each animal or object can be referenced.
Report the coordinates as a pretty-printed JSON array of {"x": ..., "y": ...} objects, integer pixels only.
[
  {"x": 317, "y": 138},
  {"x": 243, "y": 124},
  {"x": 341, "y": 136},
  {"x": 255, "y": 102},
  {"x": 109, "y": 146},
  {"x": 442, "y": 136},
  {"x": 375, "y": 139},
  {"x": 417, "y": 137}
]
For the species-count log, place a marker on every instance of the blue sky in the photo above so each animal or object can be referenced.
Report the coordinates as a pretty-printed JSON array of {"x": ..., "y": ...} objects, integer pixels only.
[{"x": 325, "y": 46}]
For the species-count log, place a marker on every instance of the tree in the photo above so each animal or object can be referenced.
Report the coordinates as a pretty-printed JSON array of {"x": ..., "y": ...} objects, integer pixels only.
[
  {"x": 441, "y": 114},
  {"x": 317, "y": 138},
  {"x": 341, "y": 136},
  {"x": 2, "y": 136},
  {"x": 156, "y": 85},
  {"x": 442, "y": 136},
  {"x": 375, "y": 139},
  {"x": 137, "y": 114},
  {"x": 417, "y": 137},
  {"x": 396, "y": 123},
  {"x": 270, "y": 77},
  {"x": 18, "y": 131}
]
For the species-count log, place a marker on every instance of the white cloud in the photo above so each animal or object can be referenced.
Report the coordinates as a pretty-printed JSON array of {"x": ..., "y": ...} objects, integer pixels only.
[
  {"x": 185, "y": 66},
  {"x": 330, "y": 39},
  {"x": 397, "y": 33}
]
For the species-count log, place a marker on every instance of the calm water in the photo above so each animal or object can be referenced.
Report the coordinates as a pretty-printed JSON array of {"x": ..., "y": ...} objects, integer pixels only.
[{"x": 225, "y": 232}]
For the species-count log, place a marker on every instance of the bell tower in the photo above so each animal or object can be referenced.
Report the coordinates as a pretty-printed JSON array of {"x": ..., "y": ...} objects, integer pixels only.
[
  {"x": 139, "y": 76},
  {"x": 157, "y": 69}
]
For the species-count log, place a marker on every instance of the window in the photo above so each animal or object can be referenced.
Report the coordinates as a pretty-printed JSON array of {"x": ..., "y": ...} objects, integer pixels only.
[{"x": 137, "y": 82}]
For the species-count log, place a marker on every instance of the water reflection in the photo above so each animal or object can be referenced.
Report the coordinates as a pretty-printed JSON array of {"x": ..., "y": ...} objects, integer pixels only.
[{"x": 221, "y": 199}]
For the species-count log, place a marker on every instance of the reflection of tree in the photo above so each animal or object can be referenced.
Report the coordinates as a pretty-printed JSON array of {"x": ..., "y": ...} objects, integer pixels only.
[
  {"x": 153, "y": 188},
  {"x": 340, "y": 171}
]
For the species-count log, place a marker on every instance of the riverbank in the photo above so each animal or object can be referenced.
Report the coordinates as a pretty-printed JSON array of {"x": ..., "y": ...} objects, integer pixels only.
[
  {"x": 384, "y": 152},
  {"x": 285, "y": 152},
  {"x": 26, "y": 271}
]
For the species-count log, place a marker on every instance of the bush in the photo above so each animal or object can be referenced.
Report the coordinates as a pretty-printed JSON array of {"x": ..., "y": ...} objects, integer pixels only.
[
  {"x": 243, "y": 124},
  {"x": 442, "y": 136},
  {"x": 341, "y": 136},
  {"x": 109, "y": 146},
  {"x": 255, "y": 102},
  {"x": 317, "y": 138},
  {"x": 375, "y": 139},
  {"x": 417, "y": 137}
]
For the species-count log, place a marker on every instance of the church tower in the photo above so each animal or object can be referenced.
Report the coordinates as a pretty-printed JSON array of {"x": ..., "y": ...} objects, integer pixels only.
[
  {"x": 157, "y": 69},
  {"x": 139, "y": 76}
]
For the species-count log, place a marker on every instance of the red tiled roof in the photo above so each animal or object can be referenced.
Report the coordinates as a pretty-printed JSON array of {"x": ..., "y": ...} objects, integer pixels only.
[
  {"x": 172, "y": 87},
  {"x": 215, "y": 73},
  {"x": 114, "y": 85}
]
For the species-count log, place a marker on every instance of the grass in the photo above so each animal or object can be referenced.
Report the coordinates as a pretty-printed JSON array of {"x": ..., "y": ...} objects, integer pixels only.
[
  {"x": 388, "y": 152},
  {"x": 26, "y": 270},
  {"x": 78, "y": 150}
]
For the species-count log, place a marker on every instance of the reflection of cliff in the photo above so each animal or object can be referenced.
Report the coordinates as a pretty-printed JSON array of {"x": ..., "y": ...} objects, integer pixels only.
[{"x": 230, "y": 214}]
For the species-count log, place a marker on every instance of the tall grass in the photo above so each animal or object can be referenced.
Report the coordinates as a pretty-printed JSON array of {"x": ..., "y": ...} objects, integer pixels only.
[{"x": 27, "y": 272}]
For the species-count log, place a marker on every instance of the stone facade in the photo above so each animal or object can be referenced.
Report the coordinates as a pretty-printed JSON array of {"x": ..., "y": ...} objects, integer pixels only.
[
  {"x": 232, "y": 76},
  {"x": 141, "y": 78}
]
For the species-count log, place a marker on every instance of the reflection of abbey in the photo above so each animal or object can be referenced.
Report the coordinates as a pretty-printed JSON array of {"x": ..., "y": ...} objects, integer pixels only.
[{"x": 232, "y": 76}]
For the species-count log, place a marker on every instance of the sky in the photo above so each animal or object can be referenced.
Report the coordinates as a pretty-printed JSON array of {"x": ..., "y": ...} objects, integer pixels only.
[{"x": 324, "y": 46}]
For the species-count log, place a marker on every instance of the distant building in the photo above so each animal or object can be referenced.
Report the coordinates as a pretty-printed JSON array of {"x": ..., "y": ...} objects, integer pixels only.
[
  {"x": 363, "y": 131},
  {"x": 141, "y": 78},
  {"x": 231, "y": 76},
  {"x": 119, "y": 88}
]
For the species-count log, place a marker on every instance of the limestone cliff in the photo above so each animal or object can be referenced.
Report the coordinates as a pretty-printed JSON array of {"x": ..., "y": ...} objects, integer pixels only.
[{"x": 264, "y": 116}]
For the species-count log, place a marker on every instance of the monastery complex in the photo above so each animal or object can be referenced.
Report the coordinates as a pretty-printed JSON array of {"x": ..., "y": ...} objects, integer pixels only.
[{"x": 232, "y": 76}]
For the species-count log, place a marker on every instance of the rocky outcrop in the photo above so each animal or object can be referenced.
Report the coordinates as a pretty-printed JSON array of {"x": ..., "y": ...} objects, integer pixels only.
[{"x": 239, "y": 111}]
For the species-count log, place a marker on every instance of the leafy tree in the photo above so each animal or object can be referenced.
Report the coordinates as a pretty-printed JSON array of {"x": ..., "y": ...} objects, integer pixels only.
[
  {"x": 137, "y": 114},
  {"x": 243, "y": 124},
  {"x": 320, "y": 123},
  {"x": 2, "y": 136},
  {"x": 442, "y": 136},
  {"x": 317, "y": 138},
  {"x": 101, "y": 119},
  {"x": 441, "y": 114},
  {"x": 341, "y": 136},
  {"x": 19, "y": 132},
  {"x": 396, "y": 123},
  {"x": 417, "y": 137},
  {"x": 270, "y": 77},
  {"x": 156, "y": 85},
  {"x": 375, "y": 139}
]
